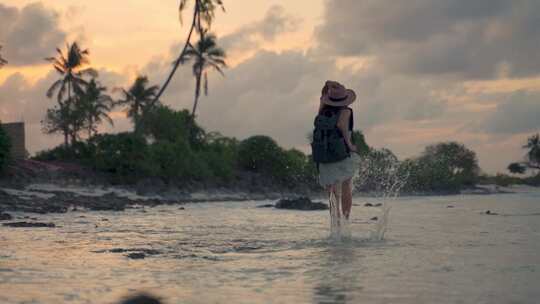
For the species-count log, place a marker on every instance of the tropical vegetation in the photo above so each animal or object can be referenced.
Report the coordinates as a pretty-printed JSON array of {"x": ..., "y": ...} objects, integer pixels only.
[
  {"x": 66, "y": 116},
  {"x": 205, "y": 55},
  {"x": 139, "y": 99},
  {"x": 5, "y": 146}
]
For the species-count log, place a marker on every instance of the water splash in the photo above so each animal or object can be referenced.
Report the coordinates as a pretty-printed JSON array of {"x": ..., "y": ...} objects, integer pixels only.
[{"x": 382, "y": 177}]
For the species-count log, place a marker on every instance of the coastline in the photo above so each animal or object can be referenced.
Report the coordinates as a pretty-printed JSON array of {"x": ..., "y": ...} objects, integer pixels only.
[{"x": 40, "y": 187}]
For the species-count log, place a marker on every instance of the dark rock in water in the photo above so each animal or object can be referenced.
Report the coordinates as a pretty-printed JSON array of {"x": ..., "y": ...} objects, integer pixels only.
[
  {"x": 368, "y": 205},
  {"x": 374, "y": 218},
  {"x": 302, "y": 203},
  {"x": 29, "y": 224},
  {"x": 266, "y": 206},
  {"x": 491, "y": 213},
  {"x": 144, "y": 251},
  {"x": 181, "y": 208},
  {"x": 141, "y": 299},
  {"x": 449, "y": 206},
  {"x": 5, "y": 217},
  {"x": 136, "y": 255},
  {"x": 378, "y": 205}
]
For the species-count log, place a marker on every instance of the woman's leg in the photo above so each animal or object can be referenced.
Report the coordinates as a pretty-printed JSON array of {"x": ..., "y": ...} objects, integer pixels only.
[
  {"x": 334, "y": 201},
  {"x": 346, "y": 197}
]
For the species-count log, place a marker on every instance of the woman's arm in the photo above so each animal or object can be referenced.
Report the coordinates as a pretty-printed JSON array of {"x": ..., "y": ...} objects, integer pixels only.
[{"x": 343, "y": 125}]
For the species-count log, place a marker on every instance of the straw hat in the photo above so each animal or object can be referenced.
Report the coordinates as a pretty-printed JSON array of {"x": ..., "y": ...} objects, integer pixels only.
[{"x": 336, "y": 95}]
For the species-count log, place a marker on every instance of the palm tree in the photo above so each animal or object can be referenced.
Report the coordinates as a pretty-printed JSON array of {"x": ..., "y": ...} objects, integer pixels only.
[
  {"x": 70, "y": 67},
  {"x": 139, "y": 99},
  {"x": 96, "y": 105},
  {"x": 203, "y": 15},
  {"x": 206, "y": 54},
  {"x": 533, "y": 156},
  {"x": 2, "y": 60}
]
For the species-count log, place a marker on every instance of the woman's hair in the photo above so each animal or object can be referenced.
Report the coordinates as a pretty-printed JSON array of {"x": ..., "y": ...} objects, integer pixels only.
[{"x": 327, "y": 108}]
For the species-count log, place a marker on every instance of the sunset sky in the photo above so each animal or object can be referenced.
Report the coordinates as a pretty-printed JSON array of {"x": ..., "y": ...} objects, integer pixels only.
[{"x": 425, "y": 71}]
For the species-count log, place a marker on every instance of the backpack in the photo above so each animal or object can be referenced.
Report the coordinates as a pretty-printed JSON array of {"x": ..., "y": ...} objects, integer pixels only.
[{"x": 328, "y": 143}]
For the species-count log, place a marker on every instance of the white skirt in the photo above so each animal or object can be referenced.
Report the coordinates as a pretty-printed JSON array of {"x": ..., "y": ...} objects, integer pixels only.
[{"x": 340, "y": 171}]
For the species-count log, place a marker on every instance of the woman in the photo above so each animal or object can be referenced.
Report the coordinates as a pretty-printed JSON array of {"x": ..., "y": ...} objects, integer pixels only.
[{"x": 337, "y": 176}]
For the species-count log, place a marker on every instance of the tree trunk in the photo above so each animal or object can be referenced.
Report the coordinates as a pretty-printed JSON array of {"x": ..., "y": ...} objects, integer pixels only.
[
  {"x": 177, "y": 62},
  {"x": 197, "y": 93}
]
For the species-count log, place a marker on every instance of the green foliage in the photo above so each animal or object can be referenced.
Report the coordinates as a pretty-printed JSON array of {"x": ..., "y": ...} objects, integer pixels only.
[
  {"x": 139, "y": 99},
  {"x": 360, "y": 142},
  {"x": 122, "y": 154},
  {"x": 176, "y": 160},
  {"x": 162, "y": 123},
  {"x": 263, "y": 155},
  {"x": 532, "y": 158},
  {"x": 443, "y": 167},
  {"x": 205, "y": 55},
  {"x": 221, "y": 155},
  {"x": 517, "y": 168},
  {"x": 500, "y": 179},
  {"x": 259, "y": 153},
  {"x": 94, "y": 106},
  {"x": 67, "y": 117},
  {"x": 533, "y": 155},
  {"x": 5, "y": 147}
]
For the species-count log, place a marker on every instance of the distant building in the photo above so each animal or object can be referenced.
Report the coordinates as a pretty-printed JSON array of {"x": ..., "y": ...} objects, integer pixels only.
[{"x": 15, "y": 131}]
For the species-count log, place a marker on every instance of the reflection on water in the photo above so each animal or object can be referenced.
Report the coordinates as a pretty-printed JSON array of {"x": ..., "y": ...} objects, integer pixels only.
[
  {"x": 236, "y": 253},
  {"x": 338, "y": 274}
]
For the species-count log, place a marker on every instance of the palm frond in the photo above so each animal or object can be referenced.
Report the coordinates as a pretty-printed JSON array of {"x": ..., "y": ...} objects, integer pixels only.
[{"x": 53, "y": 88}]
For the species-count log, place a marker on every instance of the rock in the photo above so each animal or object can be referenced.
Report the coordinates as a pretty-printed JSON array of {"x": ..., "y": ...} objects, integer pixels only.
[
  {"x": 181, "y": 208},
  {"x": 491, "y": 213},
  {"x": 5, "y": 217},
  {"x": 302, "y": 203},
  {"x": 29, "y": 224},
  {"x": 378, "y": 205},
  {"x": 135, "y": 250},
  {"x": 136, "y": 255},
  {"x": 449, "y": 206},
  {"x": 141, "y": 299},
  {"x": 374, "y": 218},
  {"x": 266, "y": 206},
  {"x": 368, "y": 205}
]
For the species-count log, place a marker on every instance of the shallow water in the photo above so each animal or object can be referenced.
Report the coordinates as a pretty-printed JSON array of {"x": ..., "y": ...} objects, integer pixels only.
[{"x": 236, "y": 253}]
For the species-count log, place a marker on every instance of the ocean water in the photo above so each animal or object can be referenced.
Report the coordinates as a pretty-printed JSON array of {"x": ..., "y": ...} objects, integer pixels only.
[{"x": 234, "y": 252}]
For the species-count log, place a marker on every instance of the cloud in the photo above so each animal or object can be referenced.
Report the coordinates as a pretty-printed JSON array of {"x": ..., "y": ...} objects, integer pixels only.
[
  {"x": 519, "y": 114},
  {"x": 468, "y": 39},
  {"x": 277, "y": 94},
  {"x": 29, "y": 34},
  {"x": 275, "y": 22},
  {"x": 21, "y": 100}
]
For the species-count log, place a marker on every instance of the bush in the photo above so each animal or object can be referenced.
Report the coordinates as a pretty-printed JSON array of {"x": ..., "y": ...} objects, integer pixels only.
[
  {"x": 221, "y": 155},
  {"x": 176, "y": 160},
  {"x": 263, "y": 155},
  {"x": 259, "y": 154},
  {"x": 445, "y": 167},
  {"x": 123, "y": 154},
  {"x": 165, "y": 124},
  {"x": 5, "y": 147}
]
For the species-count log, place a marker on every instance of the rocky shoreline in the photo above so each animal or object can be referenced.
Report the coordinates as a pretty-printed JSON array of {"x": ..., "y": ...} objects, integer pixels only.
[
  {"x": 38, "y": 187},
  {"x": 51, "y": 198}
]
